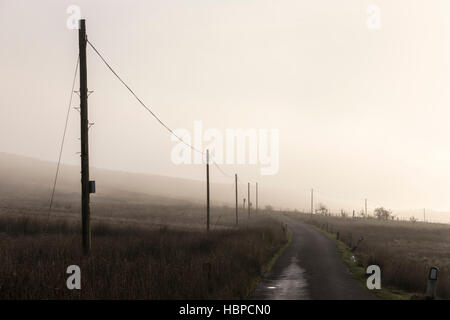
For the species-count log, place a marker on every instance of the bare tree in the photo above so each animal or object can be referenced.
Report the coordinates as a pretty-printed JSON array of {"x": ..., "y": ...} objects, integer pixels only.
[
  {"x": 322, "y": 209},
  {"x": 382, "y": 213}
]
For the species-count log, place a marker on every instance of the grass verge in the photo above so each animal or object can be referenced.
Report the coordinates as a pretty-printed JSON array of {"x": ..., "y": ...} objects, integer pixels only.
[{"x": 267, "y": 266}]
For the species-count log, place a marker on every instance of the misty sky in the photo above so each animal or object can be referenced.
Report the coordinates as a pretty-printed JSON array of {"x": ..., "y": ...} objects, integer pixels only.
[{"x": 362, "y": 113}]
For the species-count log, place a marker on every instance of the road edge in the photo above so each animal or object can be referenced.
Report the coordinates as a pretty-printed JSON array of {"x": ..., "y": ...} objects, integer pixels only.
[{"x": 268, "y": 266}]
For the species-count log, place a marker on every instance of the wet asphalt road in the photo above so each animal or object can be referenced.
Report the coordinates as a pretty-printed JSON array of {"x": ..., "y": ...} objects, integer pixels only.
[{"x": 309, "y": 268}]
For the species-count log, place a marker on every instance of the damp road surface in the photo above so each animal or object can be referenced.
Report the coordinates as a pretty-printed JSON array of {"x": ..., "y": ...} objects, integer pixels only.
[{"x": 309, "y": 268}]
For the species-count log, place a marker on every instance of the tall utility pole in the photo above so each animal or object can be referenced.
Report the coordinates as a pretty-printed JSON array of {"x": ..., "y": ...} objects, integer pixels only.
[
  {"x": 85, "y": 190},
  {"x": 312, "y": 201},
  {"x": 365, "y": 207},
  {"x": 207, "y": 190},
  {"x": 424, "y": 215},
  {"x": 248, "y": 200},
  {"x": 236, "y": 189},
  {"x": 256, "y": 198}
]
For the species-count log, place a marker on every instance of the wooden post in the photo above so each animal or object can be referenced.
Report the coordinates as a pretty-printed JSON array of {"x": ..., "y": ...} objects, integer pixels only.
[
  {"x": 236, "y": 190},
  {"x": 256, "y": 199},
  {"x": 207, "y": 190},
  {"x": 85, "y": 210},
  {"x": 248, "y": 200}
]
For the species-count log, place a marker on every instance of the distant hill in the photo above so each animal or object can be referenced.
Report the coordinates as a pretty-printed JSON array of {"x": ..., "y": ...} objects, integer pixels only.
[{"x": 30, "y": 180}]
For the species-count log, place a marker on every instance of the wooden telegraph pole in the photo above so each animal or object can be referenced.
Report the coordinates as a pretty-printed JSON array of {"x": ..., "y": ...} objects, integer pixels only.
[
  {"x": 256, "y": 200},
  {"x": 85, "y": 190},
  {"x": 207, "y": 190},
  {"x": 248, "y": 200},
  {"x": 312, "y": 202},
  {"x": 236, "y": 190},
  {"x": 365, "y": 207}
]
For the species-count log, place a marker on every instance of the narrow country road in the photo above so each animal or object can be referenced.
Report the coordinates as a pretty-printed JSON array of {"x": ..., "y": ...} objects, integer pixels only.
[{"x": 309, "y": 268}]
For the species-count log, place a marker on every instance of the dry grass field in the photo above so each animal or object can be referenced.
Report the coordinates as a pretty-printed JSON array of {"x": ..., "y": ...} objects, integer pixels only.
[
  {"x": 133, "y": 260},
  {"x": 148, "y": 237},
  {"x": 404, "y": 250}
]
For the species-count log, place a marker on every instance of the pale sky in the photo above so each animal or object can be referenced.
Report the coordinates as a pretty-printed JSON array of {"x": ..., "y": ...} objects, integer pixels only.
[{"x": 362, "y": 113}]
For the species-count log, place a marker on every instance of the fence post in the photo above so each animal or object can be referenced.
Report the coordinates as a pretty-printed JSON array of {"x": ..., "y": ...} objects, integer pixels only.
[{"x": 357, "y": 243}]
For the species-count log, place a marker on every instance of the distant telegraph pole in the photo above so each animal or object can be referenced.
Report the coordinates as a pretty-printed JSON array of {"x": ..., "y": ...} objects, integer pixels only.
[
  {"x": 365, "y": 207},
  {"x": 85, "y": 185},
  {"x": 424, "y": 215},
  {"x": 312, "y": 201},
  {"x": 248, "y": 200},
  {"x": 207, "y": 190},
  {"x": 236, "y": 190},
  {"x": 256, "y": 198}
]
